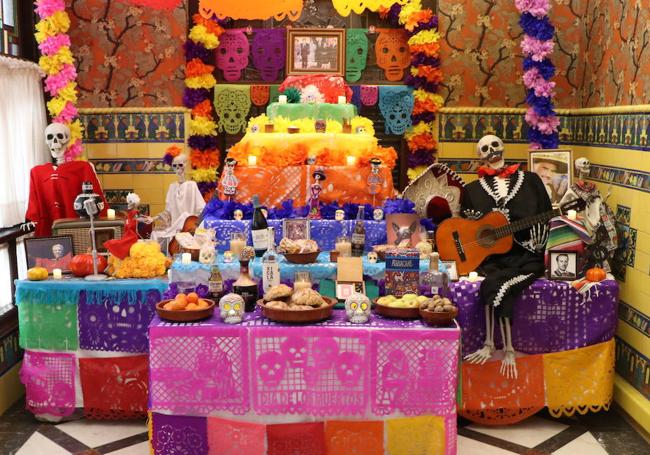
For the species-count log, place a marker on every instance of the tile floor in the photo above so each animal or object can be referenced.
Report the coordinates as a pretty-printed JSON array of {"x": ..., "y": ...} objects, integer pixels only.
[{"x": 594, "y": 434}]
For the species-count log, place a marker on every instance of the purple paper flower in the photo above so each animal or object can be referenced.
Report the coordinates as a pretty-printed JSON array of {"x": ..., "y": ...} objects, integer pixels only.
[
  {"x": 420, "y": 158},
  {"x": 170, "y": 292},
  {"x": 328, "y": 211},
  {"x": 285, "y": 211},
  {"x": 203, "y": 142},
  {"x": 428, "y": 225},
  {"x": 196, "y": 50},
  {"x": 168, "y": 159},
  {"x": 399, "y": 206},
  {"x": 423, "y": 59},
  {"x": 193, "y": 96},
  {"x": 545, "y": 67},
  {"x": 426, "y": 117},
  {"x": 202, "y": 290},
  {"x": 206, "y": 187},
  {"x": 542, "y": 29}
]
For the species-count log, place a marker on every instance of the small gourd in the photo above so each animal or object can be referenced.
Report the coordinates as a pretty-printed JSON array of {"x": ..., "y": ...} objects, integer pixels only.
[
  {"x": 37, "y": 274},
  {"x": 596, "y": 274}
]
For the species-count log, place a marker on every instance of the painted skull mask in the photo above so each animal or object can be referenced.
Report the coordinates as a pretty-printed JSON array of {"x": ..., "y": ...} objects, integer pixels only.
[
  {"x": 490, "y": 149},
  {"x": 231, "y": 308},
  {"x": 392, "y": 53},
  {"x": 269, "y": 53},
  {"x": 232, "y": 55},
  {"x": 356, "y": 54},
  {"x": 583, "y": 167},
  {"x": 396, "y": 107},
  {"x": 357, "y": 308}
]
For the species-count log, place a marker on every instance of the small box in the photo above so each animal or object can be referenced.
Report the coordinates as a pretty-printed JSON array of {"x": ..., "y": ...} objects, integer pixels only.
[
  {"x": 402, "y": 271},
  {"x": 349, "y": 277}
]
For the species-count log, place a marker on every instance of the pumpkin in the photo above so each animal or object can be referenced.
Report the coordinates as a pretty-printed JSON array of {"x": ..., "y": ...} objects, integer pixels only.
[
  {"x": 82, "y": 264},
  {"x": 596, "y": 274},
  {"x": 37, "y": 274}
]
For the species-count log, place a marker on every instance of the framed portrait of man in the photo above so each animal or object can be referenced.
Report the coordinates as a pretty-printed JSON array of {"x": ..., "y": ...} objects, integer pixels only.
[
  {"x": 555, "y": 168},
  {"x": 50, "y": 252},
  {"x": 562, "y": 265},
  {"x": 316, "y": 51}
]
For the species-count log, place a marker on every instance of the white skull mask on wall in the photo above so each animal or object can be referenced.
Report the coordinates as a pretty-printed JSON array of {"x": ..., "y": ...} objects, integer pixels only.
[
  {"x": 57, "y": 137},
  {"x": 231, "y": 308},
  {"x": 490, "y": 149},
  {"x": 583, "y": 167},
  {"x": 357, "y": 308}
]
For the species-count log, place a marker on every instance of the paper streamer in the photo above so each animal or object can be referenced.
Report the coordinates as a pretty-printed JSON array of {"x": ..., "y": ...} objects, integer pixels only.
[{"x": 251, "y": 9}]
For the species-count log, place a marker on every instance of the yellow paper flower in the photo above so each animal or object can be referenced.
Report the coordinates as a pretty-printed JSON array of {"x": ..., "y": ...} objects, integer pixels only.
[
  {"x": 206, "y": 81},
  {"x": 58, "y": 22},
  {"x": 69, "y": 92},
  {"x": 332, "y": 126},
  {"x": 424, "y": 37},
  {"x": 420, "y": 128},
  {"x": 204, "y": 175},
  {"x": 203, "y": 127},
  {"x": 258, "y": 122},
  {"x": 52, "y": 64},
  {"x": 76, "y": 130},
  {"x": 420, "y": 94},
  {"x": 55, "y": 106},
  {"x": 415, "y": 172},
  {"x": 363, "y": 122},
  {"x": 200, "y": 34}
]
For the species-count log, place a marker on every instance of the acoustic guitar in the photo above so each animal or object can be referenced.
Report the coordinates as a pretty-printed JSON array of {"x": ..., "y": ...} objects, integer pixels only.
[
  {"x": 469, "y": 242},
  {"x": 190, "y": 225}
]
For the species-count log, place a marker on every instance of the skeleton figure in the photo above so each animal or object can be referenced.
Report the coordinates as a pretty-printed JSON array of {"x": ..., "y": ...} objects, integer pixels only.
[
  {"x": 516, "y": 194},
  {"x": 357, "y": 307},
  {"x": 57, "y": 137},
  {"x": 375, "y": 180},
  {"x": 229, "y": 181}
]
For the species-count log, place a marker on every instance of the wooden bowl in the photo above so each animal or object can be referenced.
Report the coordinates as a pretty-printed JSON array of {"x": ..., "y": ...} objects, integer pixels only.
[
  {"x": 302, "y": 258},
  {"x": 443, "y": 318},
  {"x": 185, "y": 315},
  {"x": 299, "y": 317},
  {"x": 396, "y": 313}
]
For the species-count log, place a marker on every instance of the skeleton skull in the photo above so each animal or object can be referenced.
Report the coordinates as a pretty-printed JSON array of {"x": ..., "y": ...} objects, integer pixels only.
[
  {"x": 490, "y": 150},
  {"x": 295, "y": 352},
  {"x": 231, "y": 308},
  {"x": 228, "y": 256},
  {"x": 357, "y": 307},
  {"x": 232, "y": 106},
  {"x": 57, "y": 136},
  {"x": 339, "y": 215},
  {"x": 348, "y": 369},
  {"x": 372, "y": 257},
  {"x": 178, "y": 166},
  {"x": 356, "y": 54},
  {"x": 271, "y": 368},
  {"x": 396, "y": 107},
  {"x": 378, "y": 214},
  {"x": 583, "y": 167},
  {"x": 232, "y": 55}
]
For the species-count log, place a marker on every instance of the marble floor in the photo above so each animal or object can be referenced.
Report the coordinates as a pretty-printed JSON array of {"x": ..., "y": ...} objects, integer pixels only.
[{"x": 594, "y": 434}]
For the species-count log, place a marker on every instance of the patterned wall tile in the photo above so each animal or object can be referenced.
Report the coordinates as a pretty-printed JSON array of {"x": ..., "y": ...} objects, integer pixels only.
[
  {"x": 131, "y": 166},
  {"x": 628, "y": 178},
  {"x": 472, "y": 127},
  {"x": 633, "y": 366},
  {"x": 133, "y": 127},
  {"x": 634, "y": 318},
  {"x": 10, "y": 352},
  {"x": 470, "y": 166}
]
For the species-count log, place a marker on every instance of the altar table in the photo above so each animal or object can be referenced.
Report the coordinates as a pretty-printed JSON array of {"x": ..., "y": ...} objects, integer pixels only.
[{"x": 268, "y": 381}]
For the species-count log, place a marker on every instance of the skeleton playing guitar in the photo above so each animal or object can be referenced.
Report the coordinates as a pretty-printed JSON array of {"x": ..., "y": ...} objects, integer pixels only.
[{"x": 469, "y": 242}]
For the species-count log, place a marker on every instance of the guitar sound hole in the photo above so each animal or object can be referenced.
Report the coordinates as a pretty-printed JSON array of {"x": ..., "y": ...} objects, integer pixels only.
[{"x": 486, "y": 237}]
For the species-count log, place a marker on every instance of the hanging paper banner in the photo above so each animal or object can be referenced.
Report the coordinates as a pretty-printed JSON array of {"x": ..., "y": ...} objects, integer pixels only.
[
  {"x": 232, "y": 103},
  {"x": 232, "y": 53},
  {"x": 345, "y": 7},
  {"x": 153, "y": 4},
  {"x": 369, "y": 95},
  {"x": 251, "y": 9},
  {"x": 392, "y": 52},
  {"x": 356, "y": 53},
  {"x": 269, "y": 52},
  {"x": 396, "y": 105},
  {"x": 356, "y": 96},
  {"x": 424, "y": 434},
  {"x": 260, "y": 94}
]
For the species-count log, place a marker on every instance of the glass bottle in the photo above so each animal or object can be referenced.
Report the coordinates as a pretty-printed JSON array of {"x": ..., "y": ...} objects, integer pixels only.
[
  {"x": 215, "y": 284},
  {"x": 270, "y": 265},
  {"x": 258, "y": 228},
  {"x": 359, "y": 234},
  {"x": 246, "y": 286},
  {"x": 433, "y": 280}
]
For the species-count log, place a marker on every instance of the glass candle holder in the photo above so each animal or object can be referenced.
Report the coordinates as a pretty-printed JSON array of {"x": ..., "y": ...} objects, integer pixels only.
[
  {"x": 237, "y": 243},
  {"x": 302, "y": 280},
  {"x": 343, "y": 246}
]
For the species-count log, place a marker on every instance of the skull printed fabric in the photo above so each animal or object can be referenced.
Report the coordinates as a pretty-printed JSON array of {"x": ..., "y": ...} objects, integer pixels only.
[
  {"x": 232, "y": 54},
  {"x": 356, "y": 53},
  {"x": 396, "y": 105},
  {"x": 392, "y": 53},
  {"x": 269, "y": 53},
  {"x": 232, "y": 104}
]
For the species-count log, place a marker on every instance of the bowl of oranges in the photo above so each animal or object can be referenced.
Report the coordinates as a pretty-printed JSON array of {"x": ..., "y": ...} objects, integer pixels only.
[{"x": 185, "y": 308}]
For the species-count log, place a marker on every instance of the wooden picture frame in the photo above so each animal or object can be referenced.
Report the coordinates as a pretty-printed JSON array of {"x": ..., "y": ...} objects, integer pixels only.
[
  {"x": 316, "y": 51},
  {"x": 555, "y": 168},
  {"x": 559, "y": 269},
  {"x": 296, "y": 228},
  {"x": 452, "y": 271},
  {"x": 39, "y": 252}
]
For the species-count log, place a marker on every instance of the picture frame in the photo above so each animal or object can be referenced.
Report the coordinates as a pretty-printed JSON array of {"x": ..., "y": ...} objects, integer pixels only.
[
  {"x": 102, "y": 235},
  {"x": 452, "y": 271},
  {"x": 296, "y": 228},
  {"x": 50, "y": 252},
  {"x": 555, "y": 168},
  {"x": 562, "y": 265},
  {"x": 316, "y": 51}
]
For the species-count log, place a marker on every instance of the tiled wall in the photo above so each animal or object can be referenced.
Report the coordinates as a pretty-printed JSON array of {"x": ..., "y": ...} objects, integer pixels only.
[{"x": 126, "y": 147}]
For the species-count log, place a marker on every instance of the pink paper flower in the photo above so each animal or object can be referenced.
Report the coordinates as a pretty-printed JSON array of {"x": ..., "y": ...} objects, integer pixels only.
[
  {"x": 544, "y": 88},
  {"x": 530, "y": 77},
  {"x": 68, "y": 113},
  {"x": 538, "y": 8},
  {"x": 535, "y": 146},
  {"x": 56, "y": 82},
  {"x": 73, "y": 151},
  {"x": 545, "y": 125},
  {"x": 537, "y": 49},
  {"x": 52, "y": 44},
  {"x": 45, "y": 8}
]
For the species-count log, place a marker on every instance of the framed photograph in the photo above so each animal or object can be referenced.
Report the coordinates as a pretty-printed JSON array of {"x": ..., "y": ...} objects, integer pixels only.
[
  {"x": 101, "y": 236},
  {"x": 296, "y": 228},
  {"x": 555, "y": 168},
  {"x": 50, "y": 252},
  {"x": 402, "y": 228},
  {"x": 316, "y": 51},
  {"x": 452, "y": 271},
  {"x": 562, "y": 265}
]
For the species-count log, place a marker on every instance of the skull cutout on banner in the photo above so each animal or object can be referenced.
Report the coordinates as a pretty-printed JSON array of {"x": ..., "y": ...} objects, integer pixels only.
[
  {"x": 269, "y": 53},
  {"x": 232, "y": 106},
  {"x": 348, "y": 369},
  {"x": 396, "y": 107},
  {"x": 271, "y": 368},
  {"x": 357, "y": 308},
  {"x": 231, "y": 308},
  {"x": 232, "y": 55},
  {"x": 57, "y": 137},
  {"x": 295, "y": 352},
  {"x": 392, "y": 53},
  {"x": 356, "y": 54}
]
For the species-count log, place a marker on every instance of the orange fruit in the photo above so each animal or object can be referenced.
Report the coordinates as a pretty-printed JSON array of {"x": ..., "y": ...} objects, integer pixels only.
[
  {"x": 203, "y": 304},
  {"x": 178, "y": 305},
  {"x": 169, "y": 305},
  {"x": 192, "y": 297},
  {"x": 181, "y": 299},
  {"x": 192, "y": 306}
]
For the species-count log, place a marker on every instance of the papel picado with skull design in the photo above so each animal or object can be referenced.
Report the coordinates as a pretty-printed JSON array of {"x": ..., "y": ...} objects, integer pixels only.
[{"x": 517, "y": 194}]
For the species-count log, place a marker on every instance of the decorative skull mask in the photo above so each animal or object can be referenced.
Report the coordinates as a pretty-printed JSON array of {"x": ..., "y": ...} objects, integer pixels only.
[
  {"x": 207, "y": 254},
  {"x": 357, "y": 308},
  {"x": 231, "y": 308},
  {"x": 490, "y": 150},
  {"x": 269, "y": 53},
  {"x": 356, "y": 54},
  {"x": 339, "y": 215},
  {"x": 378, "y": 214},
  {"x": 57, "y": 136},
  {"x": 232, "y": 106},
  {"x": 583, "y": 167},
  {"x": 392, "y": 52},
  {"x": 232, "y": 55},
  {"x": 396, "y": 106},
  {"x": 373, "y": 257}
]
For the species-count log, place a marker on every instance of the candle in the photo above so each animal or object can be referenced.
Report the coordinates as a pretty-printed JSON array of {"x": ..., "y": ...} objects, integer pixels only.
[
  {"x": 343, "y": 246},
  {"x": 57, "y": 274},
  {"x": 351, "y": 160},
  {"x": 252, "y": 160},
  {"x": 342, "y": 99},
  {"x": 302, "y": 281},
  {"x": 282, "y": 99},
  {"x": 110, "y": 214},
  {"x": 237, "y": 243},
  {"x": 473, "y": 276},
  {"x": 186, "y": 258},
  {"x": 572, "y": 214}
]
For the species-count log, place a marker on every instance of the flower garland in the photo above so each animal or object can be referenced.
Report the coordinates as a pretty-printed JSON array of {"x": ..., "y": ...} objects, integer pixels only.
[
  {"x": 537, "y": 45},
  {"x": 199, "y": 81},
  {"x": 425, "y": 77},
  {"x": 58, "y": 63}
]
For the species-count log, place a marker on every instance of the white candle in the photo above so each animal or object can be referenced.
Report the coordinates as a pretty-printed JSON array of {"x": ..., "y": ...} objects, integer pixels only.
[
  {"x": 572, "y": 214},
  {"x": 57, "y": 274},
  {"x": 110, "y": 214},
  {"x": 237, "y": 246},
  {"x": 252, "y": 160},
  {"x": 344, "y": 248},
  {"x": 186, "y": 259},
  {"x": 473, "y": 276},
  {"x": 282, "y": 99},
  {"x": 351, "y": 160},
  {"x": 342, "y": 99}
]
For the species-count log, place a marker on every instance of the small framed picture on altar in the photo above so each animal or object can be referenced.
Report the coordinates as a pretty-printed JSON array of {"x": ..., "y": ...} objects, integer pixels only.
[
  {"x": 296, "y": 229},
  {"x": 555, "y": 168},
  {"x": 50, "y": 253},
  {"x": 562, "y": 265},
  {"x": 316, "y": 51},
  {"x": 452, "y": 271}
]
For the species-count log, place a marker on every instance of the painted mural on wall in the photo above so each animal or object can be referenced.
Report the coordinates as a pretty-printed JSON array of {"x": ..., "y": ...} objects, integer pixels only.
[{"x": 128, "y": 55}]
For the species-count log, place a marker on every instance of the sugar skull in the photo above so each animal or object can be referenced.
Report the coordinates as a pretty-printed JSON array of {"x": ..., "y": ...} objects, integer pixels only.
[
  {"x": 372, "y": 257},
  {"x": 232, "y": 54},
  {"x": 271, "y": 367},
  {"x": 231, "y": 308},
  {"x": 490, "y": 149},
  {"x": 356, "y": 54},
  {"x": 232, "y": 106},
  {"x": 57, "y": 137},
  {"x": 339, "y": 215},
  {"x": 294, "y": 350},
  {"x": 357, "y": 306},
  {"x": 392, "y": 53},
  {"x": 207, "y": 254},
  {"x": 348, "y": 369},
  {"x": 269, "y": 53},
  {"x": 238, "y": 215},
  {"x": 396, "y": 106},
  {"x": 377, "y": 214}
]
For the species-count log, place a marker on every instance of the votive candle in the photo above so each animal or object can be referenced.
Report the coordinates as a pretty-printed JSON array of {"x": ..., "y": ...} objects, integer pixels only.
[
  {"x": 351, "y": 160},
  {"x": 572, "y": 214},
  {"x": 110, "y": 214},
  {"x": 282, "y": 99},
  {"x": 186, "y": 259},
  {"x": 252, "y": 160},
  {"x": 57, "y": 274},
  {"x": 342, "y": 99}
]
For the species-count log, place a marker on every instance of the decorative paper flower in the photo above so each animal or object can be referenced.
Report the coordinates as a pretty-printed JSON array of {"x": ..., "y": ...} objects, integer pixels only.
[
  {"x": 172, "y": 152},
  {"x": 310, "y": 95},
  {"x": 293, "y": 95}
]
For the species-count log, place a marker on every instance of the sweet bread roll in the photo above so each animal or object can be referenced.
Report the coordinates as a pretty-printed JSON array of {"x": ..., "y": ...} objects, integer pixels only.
[
  {"x": 278, "y": 305},
  {"x": 279, "y": 292},
  {"x": 307, "y": 297}
]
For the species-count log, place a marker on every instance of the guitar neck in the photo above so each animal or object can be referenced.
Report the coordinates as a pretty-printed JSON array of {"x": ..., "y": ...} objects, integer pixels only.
[{"x": 525, "y": 223}]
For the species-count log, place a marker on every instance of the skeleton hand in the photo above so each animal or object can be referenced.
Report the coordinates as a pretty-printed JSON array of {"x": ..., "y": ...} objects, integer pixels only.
[
  {"x": 538, "y": 238},
  {"x": 509, "y": 365},
  {"x": 28, "y": 226},
  {"x": 482, "y": 355}
]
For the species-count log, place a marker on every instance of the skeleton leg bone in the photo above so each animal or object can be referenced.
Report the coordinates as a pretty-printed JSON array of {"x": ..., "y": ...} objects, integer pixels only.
[
  {"x": 508, "y": 364},
  {"x": 485, "y": 353}
]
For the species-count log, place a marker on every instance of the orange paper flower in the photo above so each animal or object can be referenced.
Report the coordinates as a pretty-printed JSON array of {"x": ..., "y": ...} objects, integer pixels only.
[
  {"x": 209, "y": 24},
  {"x": 430, "y": 49},
  {"x": 421, "y": 141},
  {"x": 204, "y": 160},
  {"x": 432, "y": 74},
  {"x": 424, "y": 106},
  {"x": 417, "y": 18},
  {"x": 203, "y": 109},
  {"x": 196, "y": 68}
]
